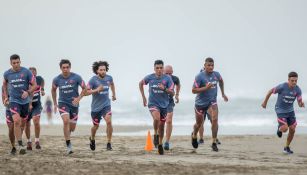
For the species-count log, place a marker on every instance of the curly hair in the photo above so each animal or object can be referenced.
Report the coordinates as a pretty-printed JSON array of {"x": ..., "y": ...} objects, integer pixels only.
[{"x": 97, "y": 64}]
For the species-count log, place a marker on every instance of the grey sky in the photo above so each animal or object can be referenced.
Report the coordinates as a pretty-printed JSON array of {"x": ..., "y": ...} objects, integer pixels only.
[{"x": 254, "y": 43}]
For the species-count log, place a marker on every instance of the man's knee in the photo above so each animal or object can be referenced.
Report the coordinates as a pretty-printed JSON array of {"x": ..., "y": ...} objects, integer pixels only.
[{"x": 284, "y": 128}]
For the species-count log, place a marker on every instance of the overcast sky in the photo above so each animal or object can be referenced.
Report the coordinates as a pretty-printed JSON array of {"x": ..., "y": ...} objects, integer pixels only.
[{"x": 255, "y": 43}]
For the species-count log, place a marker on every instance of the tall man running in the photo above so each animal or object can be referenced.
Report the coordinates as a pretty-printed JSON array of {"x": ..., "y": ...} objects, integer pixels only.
[
  {"x": 205, "y": 86},
  {"x": 287, "y": 94},
  {"x": 9, "y": 122},
  {"x": 98, "y": 87},
  {"x": 160, "y": 87},
  {"x": 35, "y": 110},
  {"x": 20, "y": 83},
  {"x": 170, "y": 109},
  {"x": 69, "y": 98}
]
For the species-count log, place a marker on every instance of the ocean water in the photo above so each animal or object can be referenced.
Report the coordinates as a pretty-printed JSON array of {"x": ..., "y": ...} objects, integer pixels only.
[{"x": 237, "y": 117}]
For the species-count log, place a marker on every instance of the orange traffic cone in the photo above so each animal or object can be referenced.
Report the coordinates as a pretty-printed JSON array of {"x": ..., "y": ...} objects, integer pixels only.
[{"x": 149, "y": 145}]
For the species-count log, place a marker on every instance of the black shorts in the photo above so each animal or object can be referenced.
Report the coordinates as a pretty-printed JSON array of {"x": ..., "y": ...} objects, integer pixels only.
[
  {"x": 163, "y": 112},
  {"x": 97, "y": 116},
  {"x": 70, "y": 110},
  {"x": 21, "y": 109}
]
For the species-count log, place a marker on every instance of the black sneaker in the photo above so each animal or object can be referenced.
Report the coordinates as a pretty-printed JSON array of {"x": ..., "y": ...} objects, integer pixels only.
[
  {"x": 214, "y": 147},
  {"x": 13, "y": 151},
  {"x": 109, "y": 147},
  {"x": 160, "y": 149},
  {"x": 92, "y": 144},
  {"x": 201, "y": 141},
  {"x": 194, "y": 142},
  {"x": 218, "y": 142},
  {"x": 29, "y": 146},
  {"x": 37, "y": 145},
  {"x": 287, "y": 150},
  {"x": 156, "y": 140},
  {"x": 279, "y": 133}
]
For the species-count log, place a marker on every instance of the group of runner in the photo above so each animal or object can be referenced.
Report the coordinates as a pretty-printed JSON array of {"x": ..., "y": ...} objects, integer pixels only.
[{"x": 22, "y": 90}]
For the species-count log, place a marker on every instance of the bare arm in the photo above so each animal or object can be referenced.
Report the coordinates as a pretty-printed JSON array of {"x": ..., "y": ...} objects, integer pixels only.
[
  {"x": 141, "y": 87},
  {"x": 43, "y": 88},
  {"x": 197, "y": 90},
  {"x": 267, "y": 97},
  {"x": 113, "y": 91},
  {"x": 178, "y": 87},
  {"x": 54, "y": 98},
  {"x": 221, "y": 84},
  {"x": 5, "y": 93},
  {"x": 300, "y": 102}
]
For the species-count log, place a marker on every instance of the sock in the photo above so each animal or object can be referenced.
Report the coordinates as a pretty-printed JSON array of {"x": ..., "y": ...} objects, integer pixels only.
[
  {"x": 214, "y": 140},
  {"x": 36, "y": 139},
  {"x": 20, "y": 142},
  {"x": 67, "y": 142}
]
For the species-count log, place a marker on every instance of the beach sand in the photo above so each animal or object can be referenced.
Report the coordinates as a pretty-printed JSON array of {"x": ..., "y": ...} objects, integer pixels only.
[{"x": 237, "y": 155}]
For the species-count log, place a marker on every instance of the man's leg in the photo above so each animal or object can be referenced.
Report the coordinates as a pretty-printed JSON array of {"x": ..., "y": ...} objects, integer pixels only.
[
  {"x": 11, "y": 133},
  {"x": 109, "y": 129},
  {"x": 199, "y": 117},
  {"x": 155, "y": 113},
  {"x": 17, "y": 131},
  {"x": 213, "y": 112},
  {"x": 28, "y": 134},
  {"x": 36, "y": 121},
  {"x": 66, "y": 131},
  {"x": 169, "y": 126},
  {"x": 201, "y": 133}
]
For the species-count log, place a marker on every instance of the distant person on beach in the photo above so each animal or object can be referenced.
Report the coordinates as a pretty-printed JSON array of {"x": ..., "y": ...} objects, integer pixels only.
[
  {"x": 168, "y": 70},
  {"x": 35, "y": 110},
  {"x": 18, "y": 85},
  {"x": 160, "y": 87},
  {"x": 287, "y": 92},
  {"x": 205, "y": 86},
  {"x": 201, "y": 129},
  {"x": 9, "y": 122},
  {"x": 69, "y": 98},
  {"x": 98, "y": 87},
  {"x": 48, "y": 109}
]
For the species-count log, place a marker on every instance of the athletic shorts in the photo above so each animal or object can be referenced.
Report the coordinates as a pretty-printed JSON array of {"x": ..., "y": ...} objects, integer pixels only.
[
  {"x": 170, "y": 107},
  {"x": 36, "y": 111},
  {"x": 286, "y": 119},
  {"x": 97, "y": 116},
  {"x": 8, "y": 116},
  {"x": 21, "y": 109},
  {"x": 162, "y": 111},
  {"x": 70, "y": 110}
]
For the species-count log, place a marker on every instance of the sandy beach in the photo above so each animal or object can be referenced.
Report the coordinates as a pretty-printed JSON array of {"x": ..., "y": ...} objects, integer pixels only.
[{"x": 238, "y": 155}]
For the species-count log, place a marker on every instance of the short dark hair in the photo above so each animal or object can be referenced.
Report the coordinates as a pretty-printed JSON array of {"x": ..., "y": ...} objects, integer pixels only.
[
  {"x": 65, "y": 61},
  {"x": 292, "y": 74},
  {"x": 209, "y": 60},
  {"x": 97, "y": 64},
  {"x": 14, "y": 57},
  {"x": 32, "y": 68},
  {"x": 159, "y": 62}
]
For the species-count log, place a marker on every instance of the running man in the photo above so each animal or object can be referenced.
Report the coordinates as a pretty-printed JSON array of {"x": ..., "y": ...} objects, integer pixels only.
[
  {"x": 48, "y": 109},
  {"x": 98, "y": 87},
  {"x": 9, "y": 123},
  {"x": 160, "y": 87},
  {"x": 169, "y": 118},
  {"x": 20, "y": 83},
  {"x": 205, "y": 86},
  {"x": 69, "y": 98},
  {"x": 287, "y": 94},
  {"x": 35, "y": 110}
]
